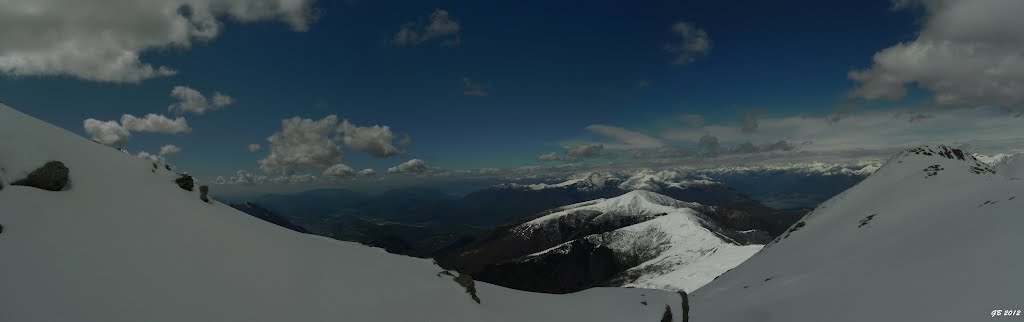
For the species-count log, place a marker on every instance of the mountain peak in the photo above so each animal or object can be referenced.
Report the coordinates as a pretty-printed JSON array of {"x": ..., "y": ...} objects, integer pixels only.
[{"x": 934, "y": 159}]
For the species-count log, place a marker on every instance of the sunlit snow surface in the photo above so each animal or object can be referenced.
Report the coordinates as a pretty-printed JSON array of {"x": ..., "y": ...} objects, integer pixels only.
[
  {"x": 693, "y": 254},
  {"x": 124, "y": 243},
  {"x": 906, "y": 244}
]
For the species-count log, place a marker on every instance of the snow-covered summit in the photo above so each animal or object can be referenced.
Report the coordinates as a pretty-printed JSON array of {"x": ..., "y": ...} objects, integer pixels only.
[
  {"x": 925, "y": 238},
  {"x": 685, "y": 248},
  {"x": 637, "y": 203},
  {"x": 124, "y": 243}
]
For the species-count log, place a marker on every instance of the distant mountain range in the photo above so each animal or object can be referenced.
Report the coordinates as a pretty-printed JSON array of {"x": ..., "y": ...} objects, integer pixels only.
[{"x": 427, "y": 223}]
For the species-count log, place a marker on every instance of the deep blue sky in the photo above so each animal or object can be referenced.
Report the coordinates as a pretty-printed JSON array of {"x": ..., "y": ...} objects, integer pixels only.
[{"x": 550, "y": 68}]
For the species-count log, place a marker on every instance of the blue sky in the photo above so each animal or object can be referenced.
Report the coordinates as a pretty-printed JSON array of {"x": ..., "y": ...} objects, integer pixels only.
[{"x": 545, "y": 72}]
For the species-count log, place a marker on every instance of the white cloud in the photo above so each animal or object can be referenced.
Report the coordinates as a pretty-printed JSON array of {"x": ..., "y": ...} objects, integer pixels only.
[
  {"x": 110, "y": 132},
  {"x": 550, "y": 156},
  {"x": 414, "y": 166},
  {"x": 170, "y": 150},
  {"x": 471, "y": 88},
  {"x": 339, "y": 171},
  {"x": 243, "y": 177},
  {"x": 690, "y": 43},
  {"x": 102, "y": 40},
  {"x": 302, "y": 144},
  {"x": 153, "y": 123},
  {"x": 440, "y": 26},
  {"x": 254, "y": 148},
  {"x": 147, "y": 156},
  {"x": 192, "y": 101},
  {"x": 367, "y": 172},
  {"x": 376, "y": 140},
  {"x": 967, "y": 54}
]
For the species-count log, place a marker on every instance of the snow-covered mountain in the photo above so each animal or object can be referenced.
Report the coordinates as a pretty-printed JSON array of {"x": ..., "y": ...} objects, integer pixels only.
[
  {"x": 638, "y": 239},
  {"x": 123, "y": 242},
  {"x": 1010, "y": 165},
  {"x": 933, "y": 235},
  {"x": 750, "y": 213}
]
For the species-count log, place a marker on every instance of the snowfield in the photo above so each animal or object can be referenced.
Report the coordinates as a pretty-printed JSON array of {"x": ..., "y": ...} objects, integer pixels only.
[
  {"x": 934, "y": 235},
  {"x": 124, "y": 243}
]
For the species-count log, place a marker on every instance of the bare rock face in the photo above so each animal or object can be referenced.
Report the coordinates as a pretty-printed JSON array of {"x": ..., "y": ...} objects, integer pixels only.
[
  {"x": 686, "y": 306},
  {"x": 53, "y": 176},
  {"x": 203, "y": 192},
  {"x": 466, "y": 282},
  {"x": 185, "y": 182}
]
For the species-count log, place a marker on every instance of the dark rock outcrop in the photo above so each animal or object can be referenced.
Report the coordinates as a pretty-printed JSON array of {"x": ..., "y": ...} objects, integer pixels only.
[
  {"x": 53, "y": 176},
  {"x": 667, "y": 317},
  {"x": 466, "y": 282},
  {"x": 203, "y": 192},
  {"x": 686, "y": 306},
  {"x": 185, "y": 182}
]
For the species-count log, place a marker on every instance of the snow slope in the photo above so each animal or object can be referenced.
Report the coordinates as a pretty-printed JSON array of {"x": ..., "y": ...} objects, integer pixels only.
[
  {"x": 1011, "y": 166},
  {"x": 692, "y": 253},
  {"x": 124, "y": 243},
  {"x": 934, "y": 235}
]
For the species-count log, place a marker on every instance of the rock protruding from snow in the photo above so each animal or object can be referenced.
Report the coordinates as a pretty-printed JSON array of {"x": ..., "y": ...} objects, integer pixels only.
[
  {"x": 53, "y": 176},
  {"x": 204, "y": 191},
  {"x": 185, "y": 182},
  {"x": 961, "y": 159}
]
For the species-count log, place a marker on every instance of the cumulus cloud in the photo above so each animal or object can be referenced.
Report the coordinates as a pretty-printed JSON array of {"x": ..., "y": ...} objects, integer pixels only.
[
  {"x": 378, "y": 141},
  {"x": 243, "y": 177},
  {"x": 102, "y": 40},
  {"x": 414, "y": 166},
  {"x": 967, "y": 54},
  {"x": 689, "y": 43},
  {"x": 155, "y": 158},
  {"x": 367, "y": 172},
  {"x": 471, "y": 88},
  {"x": 153, "y": 123},
  {"x": 254, "y": 148},
  {"x": 550, "y": 156},
  {"x": 169, "y": 150},
  {"x": 440, "y": 26},
  {"x": 302, "y": 144},
  {"x": 339, "y": 171},
  {"x": 110, "y": 132},
  {"x": 192, "y": 101}
]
